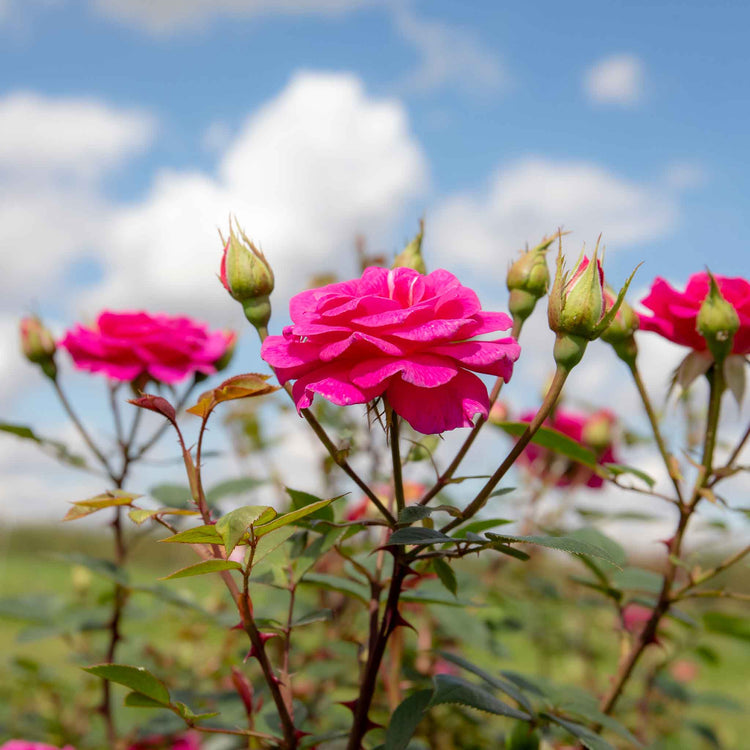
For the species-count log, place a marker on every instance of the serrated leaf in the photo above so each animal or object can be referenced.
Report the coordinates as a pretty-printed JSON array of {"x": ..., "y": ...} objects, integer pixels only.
[
  {"x": 562, "y": 543},
  {"x": 206, "y": 566},
  {"x": 206, "y": 534},
  {"x": 269, "y": 542},
  {"x": 593, "y": 536},
  {"x": 405, "y": 720},
  {"x": 249, "y": 385},
  {"x": 303, "y": 499},
  {"x": 637, "y": 579},
  {"x": 139, "y": 515},
  {"x": 506, "y": 687},
  {"x": 446, "y": 575},
  {"x": 138, "y": 679},
  {"x": 293, "y": 517},
  {"x": 584, "y": 734},
  {"x": 233, "y": 526},
  {"x": 418, "y": 535},
  {"x": 451, "y": 689},
  {"x": 510, "y": 551},
  {"x": 553, "y": 440}
]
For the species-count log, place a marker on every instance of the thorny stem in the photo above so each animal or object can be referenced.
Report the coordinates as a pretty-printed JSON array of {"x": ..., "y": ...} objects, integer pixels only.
[
  {"x": 338, "y": 458},
  {"x": 548, "y": 404},
  {"x": 448, "y": 474},
  {"x": 654, "y": 422},
  {"x": 398, "y": 482},
  {"x": 720, "y": 473},
  {"x": 686, "y": 510}
]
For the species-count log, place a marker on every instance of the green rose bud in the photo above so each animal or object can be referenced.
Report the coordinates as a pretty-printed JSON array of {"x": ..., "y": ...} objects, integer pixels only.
[
  {"x": 411, "y": 255},
  {"x": 717, "y": 322},
  {"x": 38, "y": 345}
]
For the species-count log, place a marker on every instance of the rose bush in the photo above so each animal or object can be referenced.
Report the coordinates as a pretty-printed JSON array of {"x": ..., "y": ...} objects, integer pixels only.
[
  {"x": 126, "y": 345},
  {"x": 398, "y": 334},
  {"x": 675, "y": 313},
  {"x": 591, "y": 430}
]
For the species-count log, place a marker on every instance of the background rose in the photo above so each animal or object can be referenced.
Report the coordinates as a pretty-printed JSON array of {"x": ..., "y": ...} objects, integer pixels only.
[
  {"x": 563, "y": 472},
  {"x": 28, "y": 745},
  {"x": 674, "y": 313},
  {"x": 126, "y": 345},
  {"x": 397, "y": 334}
]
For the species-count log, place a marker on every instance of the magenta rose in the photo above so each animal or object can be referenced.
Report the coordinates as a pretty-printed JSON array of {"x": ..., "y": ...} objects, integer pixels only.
[
  {"x": 674, "y": 313},
  {"x": 592, "y": 430},
  {"x": 28, "y": 745},
  {"x": 127, "y": 345},
  {"x": 397, "y": 334}
]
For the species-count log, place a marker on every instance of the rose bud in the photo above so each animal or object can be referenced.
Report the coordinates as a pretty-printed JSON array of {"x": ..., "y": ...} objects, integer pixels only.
[
  {"x": 411, "y": 255},
  {"x": 246, "y": 275},
  {"x": 528, "y": 280},
  {"x": 619, "y": 334},
  {"x": 38, "y": 345},
  {"x": 577, "y": 310},
  {"x": 717, "y": 322}
]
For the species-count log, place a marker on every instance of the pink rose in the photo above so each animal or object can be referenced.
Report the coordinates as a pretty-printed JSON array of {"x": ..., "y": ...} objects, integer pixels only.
[
  {"x": 126, "y": 345},
  {"x": 674, "y": 313},
  {"x": 592, "y": 431},
  {"x": 28, "y": 745},
  {"x": 398, "y": 334},
  {"x": 635, "y": 617}
]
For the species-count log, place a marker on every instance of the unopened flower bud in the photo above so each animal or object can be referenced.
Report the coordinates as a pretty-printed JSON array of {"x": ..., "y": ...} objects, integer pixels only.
[
  {"x": 246, "y": 275},
  {"x": 498, "y": 413},
  {"x": 717, "y": 322},
  {"x": 38, "y": 345},
  {"x": 577, "y": 303},
  {"x": 411, "y": 255},
  {"x": 528, "y": 280},
  {"x": 597, "y": 431},
  {"x": 619, "y": 334}
]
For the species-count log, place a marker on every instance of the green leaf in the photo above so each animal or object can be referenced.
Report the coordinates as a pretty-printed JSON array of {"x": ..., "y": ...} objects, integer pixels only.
[
  {"x": 477, "y": 527},
  {"x": 335, "y": 583},
  {"x": 503, "y": 491},
  {"x": 303, "y": 499},
  {"x": 510, "y": 551},
  {"x": 319, "y": 615},
  {"x": 584, "y": 734},
  {"x": 553, "y": 440},
  {"x": 292, "y": 517},
  {"x": 525, "y": 683},
  {"x": 405, "y": 720},
  {"x": 139, "y": 515},
  {"x": 233, "y": 487},
  {"x": 417, "y": 535},
  {"x": 138, "y": 679},
  {"x": 637, "y": 579},
  {"x": 139, "y": 700},
  {"x": 445, "y": 574},
  {"x": 108, "y": 499},
  {"x": 207, "y": 566},
  {"x": 199, "y": 535},
  {"x": 190, "y": 716},
  {"x": 725, "y": 624},
  {"x": 414, "y": 513},
  {"x": 104, "y": 568},
  {"x": 563, "y": 543},
  {"x": 233, "y": 526},
  {"x": 313, "y": 552},
  {"x": 59, "y": 450},
  {"x": 269, "y": 542},
  {"x": 175, "y": 495},
  {"x": 585, "y": 707},
  {"x": 450, "y": 689},
  {"x": 616, "y": 470},
  {"x": 506, "y": 687}
]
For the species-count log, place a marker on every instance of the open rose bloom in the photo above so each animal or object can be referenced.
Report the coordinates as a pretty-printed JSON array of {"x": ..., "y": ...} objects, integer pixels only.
[
  {"x": 675, "y": 313},
  {"x": 397, "y": 334},
  {"x": 126, "y": 345},
  {"x": 28, "y": 745}
]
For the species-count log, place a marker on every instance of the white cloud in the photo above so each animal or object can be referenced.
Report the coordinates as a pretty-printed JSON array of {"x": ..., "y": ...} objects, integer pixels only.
[
  {"x": 164, "y": 16},
  {"x": 448, "y": 55},
  {"x": 81, "y": 137},
  {"x": 618, "y": 79},
  {"x": 533, "y": 197},
  {"x": 307, "y": 172}
]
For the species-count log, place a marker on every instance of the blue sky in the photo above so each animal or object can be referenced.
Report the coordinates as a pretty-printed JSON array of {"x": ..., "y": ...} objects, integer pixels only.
[{"x": 130, "y": 129}]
